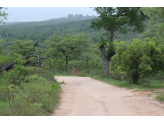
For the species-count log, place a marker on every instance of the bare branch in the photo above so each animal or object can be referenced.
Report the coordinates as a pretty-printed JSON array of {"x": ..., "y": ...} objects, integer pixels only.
[
  {"x": 39, "y": 60},
  {"x": 35, "y": 45}
]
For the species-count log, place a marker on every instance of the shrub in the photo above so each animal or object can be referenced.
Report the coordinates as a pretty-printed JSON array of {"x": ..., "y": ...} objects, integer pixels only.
[
  {"x": 37, "y": 93},
  {"x": 19, "y": 72},
  {"x": 140, "y": 58},
  {"x": 4, "y": 59},
  {"x": 34, "y": 98}
]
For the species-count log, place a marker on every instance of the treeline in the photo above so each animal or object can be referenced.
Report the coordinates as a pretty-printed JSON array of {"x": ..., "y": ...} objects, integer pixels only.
[
  {"x": 43, "y": 30},
  {"x": 80, "y": 16}
]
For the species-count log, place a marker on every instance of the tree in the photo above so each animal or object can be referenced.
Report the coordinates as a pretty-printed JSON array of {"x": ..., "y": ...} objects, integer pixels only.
[
  {"x": 38, "y": 60},
  {"x": 68, "y": 47},
  {"x": 22, "y": 48},
  {"x": 3, "y": 15},
  {"x": 151, "y": 31},
  {"x": 112, "y": 19},
  {"x": 70, "y": 16},
  {"x": 0, "y": 45},
  {"x": 86, "y": 56},
  {"x": 156, "y": 24},
  {"x": 140, "y": 59}
]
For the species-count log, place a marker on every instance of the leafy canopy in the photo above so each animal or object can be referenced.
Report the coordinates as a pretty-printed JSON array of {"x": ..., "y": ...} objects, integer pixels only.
[
  {"x": 22, "y": 48},
  {"x": 120, "y": 19},
  {"x": 68, "y": 47},
  {"x": 139, "y": 58},
  {"x": 156, "y": 24},
  {"x": 3, "y": 15}
]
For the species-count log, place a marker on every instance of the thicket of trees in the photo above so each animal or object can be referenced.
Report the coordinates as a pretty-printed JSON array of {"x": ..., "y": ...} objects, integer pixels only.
[
  {"x": 72, "y": 44},
  {"x": 120, "y": 19},
  {"x": 80, "y": 16}
]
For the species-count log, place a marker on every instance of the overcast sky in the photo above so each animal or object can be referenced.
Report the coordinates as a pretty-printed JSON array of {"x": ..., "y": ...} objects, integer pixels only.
[{"x": 23, "y": 14}]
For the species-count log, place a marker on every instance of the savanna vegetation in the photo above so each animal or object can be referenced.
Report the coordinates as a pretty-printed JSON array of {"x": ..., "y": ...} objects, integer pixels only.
[{"x": 123, "y": 46}]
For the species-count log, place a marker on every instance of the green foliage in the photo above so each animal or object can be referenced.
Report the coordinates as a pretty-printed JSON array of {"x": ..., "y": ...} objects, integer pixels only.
[
  {"x": 4, "y": 59},
  {"x": 68, "y": 47},
  {"x": 119, "y": 19},
  {"x": 156, "y": 16},
  {"x": 61, "y": 27},
  {"x": 33, "y": 98},
  {"x": 3, "y": 14},
  {"x": 160, "y": 96},
  {"x": 115, "y": 73},
  {"x": 18, "y": 73},
  {"x": 101, "y": 42},
  {"x": 112, "y": 19},
  {"x": 159, "y": 76},
  {"x": 7, "y": 93},
  {"x": 36, "y": 97},
  {"x": 22, "y": 48},
  {"x": 1, "y": 45},
  {"x": 140, "y": 58},
  {"x": 63, "y": 82}
]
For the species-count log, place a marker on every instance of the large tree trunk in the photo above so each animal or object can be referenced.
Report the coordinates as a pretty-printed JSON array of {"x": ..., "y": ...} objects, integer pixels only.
[
  {"x": 82, "y": 65},
  {"x": 105, "y": 62},
  {"x": 154, "y": 70},
  {"x": 106, "y": 58},
  {"x": 7, "y": 67},
  {"x": 111, "y": 35},
  {"x": 107, "y": 67},
  {"x": 87, "y": 64},
  {"x": 66, "y": 64}
]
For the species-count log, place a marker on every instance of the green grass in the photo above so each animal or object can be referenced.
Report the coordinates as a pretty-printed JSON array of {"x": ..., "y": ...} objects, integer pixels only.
[
  {"x": 124, "y": 84},
  {"x": 44, "y": 73},
  {"x": 4, "y": 108},
  {"x": 160, "y": 95},
  {"x": 121, "y": 84}
]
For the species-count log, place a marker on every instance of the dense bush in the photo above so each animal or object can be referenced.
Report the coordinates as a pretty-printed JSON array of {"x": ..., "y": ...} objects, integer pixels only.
[
  {"x": 19, "y": 72},
  {"x": 140, "y": 58},
  {"x": 26, "y": 94},
  {"x": 34, "y": 98},
  {"x": 5, "y": 59}
]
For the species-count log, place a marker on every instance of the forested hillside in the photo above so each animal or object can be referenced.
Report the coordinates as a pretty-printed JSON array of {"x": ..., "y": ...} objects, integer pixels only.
[{"x": 42, "y": 30}]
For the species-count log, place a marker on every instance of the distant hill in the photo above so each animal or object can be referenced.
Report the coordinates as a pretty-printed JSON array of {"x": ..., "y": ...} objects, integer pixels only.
[
  {"x": 8, "y": 23},
  {"x": 42, "y": 30}
]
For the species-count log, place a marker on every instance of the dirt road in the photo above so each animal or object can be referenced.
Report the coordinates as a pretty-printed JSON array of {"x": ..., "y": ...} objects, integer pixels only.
[{"x": 83, "y": 96}]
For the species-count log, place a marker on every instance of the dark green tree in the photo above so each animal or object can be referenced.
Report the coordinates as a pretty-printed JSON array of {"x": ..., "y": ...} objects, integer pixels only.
[
  {"x": 22, "y": 48},
  {"x": 69, "y": 47},
  {"x": 140, "y": 59},
  {"x": 156, "y": 24},
  {"x": 3, "y": 15},
  {"x": 112, "y": 19},
  {"x": 3, "y": 34}
]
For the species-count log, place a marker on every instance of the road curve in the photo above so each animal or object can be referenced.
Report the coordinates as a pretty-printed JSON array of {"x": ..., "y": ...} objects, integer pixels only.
[{"x": 83, "y": 96}]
